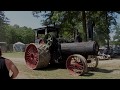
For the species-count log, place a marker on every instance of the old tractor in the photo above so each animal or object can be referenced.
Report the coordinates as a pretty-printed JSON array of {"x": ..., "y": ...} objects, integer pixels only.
[{"x": 76, "y": 56}]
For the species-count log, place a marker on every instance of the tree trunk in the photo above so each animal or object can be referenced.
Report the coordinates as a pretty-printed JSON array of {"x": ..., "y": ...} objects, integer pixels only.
[
  {"x": 107, "y": 29},
  {"x": 84, "y": 24}
]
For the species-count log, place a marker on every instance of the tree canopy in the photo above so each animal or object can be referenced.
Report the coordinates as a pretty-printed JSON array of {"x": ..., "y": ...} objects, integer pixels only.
[
  {"x": 76, "y": 20},
  {"x": 12, "y": 34},
  {"x": 116, "y": 35},
  {"x": 3, "y": 21},
  {"x": 16, "y": 33}
]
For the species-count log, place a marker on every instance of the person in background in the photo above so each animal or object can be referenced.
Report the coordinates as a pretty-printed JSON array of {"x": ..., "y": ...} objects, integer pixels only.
[
  {"x": 78, "y": 37},
  {"x": 41, "y": 41},
  {"x": 6, "y": 65},
  {"x": 37, "y": 40}
]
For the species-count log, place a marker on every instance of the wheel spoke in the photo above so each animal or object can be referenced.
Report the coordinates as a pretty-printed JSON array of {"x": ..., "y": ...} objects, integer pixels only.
[
  {"x": 94, "y": 62},
  {"x": 76, "y": 64}
]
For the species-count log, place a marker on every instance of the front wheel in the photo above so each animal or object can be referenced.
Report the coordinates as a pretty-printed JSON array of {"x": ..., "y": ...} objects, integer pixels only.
[
  {"x": 76, "y": 64},
  {"x": 92, "y": 65}
]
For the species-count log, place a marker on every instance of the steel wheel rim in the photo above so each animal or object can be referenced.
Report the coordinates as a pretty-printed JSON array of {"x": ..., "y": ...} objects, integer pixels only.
[
  {"x": 75, "y": 65},
  {"x": 31, "y": 56}
]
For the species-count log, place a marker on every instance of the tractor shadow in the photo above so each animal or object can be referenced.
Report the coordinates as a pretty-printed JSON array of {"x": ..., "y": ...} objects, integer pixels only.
[
  {"x": 103, "y": 70},
  {"x": 88, "y": 74},
  {"x": 91, "y": 71},
  {"x": 53, "y": 67}
]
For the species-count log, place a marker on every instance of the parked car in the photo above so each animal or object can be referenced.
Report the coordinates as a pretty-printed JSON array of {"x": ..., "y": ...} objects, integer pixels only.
[{"x": 104, "y": 54}]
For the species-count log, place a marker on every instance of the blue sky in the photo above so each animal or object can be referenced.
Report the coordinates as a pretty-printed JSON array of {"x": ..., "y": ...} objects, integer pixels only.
[{"x": 23, "y": 18}]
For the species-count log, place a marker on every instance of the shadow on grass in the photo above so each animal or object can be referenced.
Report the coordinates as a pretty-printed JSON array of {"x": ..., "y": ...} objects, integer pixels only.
[
  {"x": 91, "y": 71},
  {"x": 53, "y": 67},
  {"x": 103, "y": 70},
  {"x": 88, "y": 74}
]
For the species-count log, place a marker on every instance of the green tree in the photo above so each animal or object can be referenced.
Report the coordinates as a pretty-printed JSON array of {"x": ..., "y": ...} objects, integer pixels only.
[
  {"x": 3, "y": 21},
  {"x": 16, "y": 33},
  {"x": 65, "y": 19},
  {"x": 69, "y": 21},
  {"x": 116, "y": 37}
]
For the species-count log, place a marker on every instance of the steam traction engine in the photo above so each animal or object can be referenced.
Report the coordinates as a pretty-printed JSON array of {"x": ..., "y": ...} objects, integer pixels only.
[{"x": 77, "y": 56}]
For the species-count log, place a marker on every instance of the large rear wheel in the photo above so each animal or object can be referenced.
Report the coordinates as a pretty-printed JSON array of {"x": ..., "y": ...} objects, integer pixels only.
[{"x": 37, "y": 56}]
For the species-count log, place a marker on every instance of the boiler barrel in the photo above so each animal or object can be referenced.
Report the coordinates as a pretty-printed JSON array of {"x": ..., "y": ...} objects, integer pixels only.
[{"x": 83, "y": 48}]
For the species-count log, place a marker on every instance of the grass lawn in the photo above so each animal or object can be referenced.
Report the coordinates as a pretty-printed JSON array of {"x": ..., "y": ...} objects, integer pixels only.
[
  {"x": 14, "y": 54},
  {"x": 107, "y": 69}
]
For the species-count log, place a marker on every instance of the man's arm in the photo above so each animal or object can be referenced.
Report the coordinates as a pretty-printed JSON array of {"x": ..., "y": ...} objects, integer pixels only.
[{"x": 14, "y": 70}]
